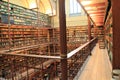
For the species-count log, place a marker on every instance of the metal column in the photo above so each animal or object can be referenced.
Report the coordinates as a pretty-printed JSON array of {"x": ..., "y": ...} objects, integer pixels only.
[
  {"x": 89, "y": 34},
  {"x": 63, "y": 42}
]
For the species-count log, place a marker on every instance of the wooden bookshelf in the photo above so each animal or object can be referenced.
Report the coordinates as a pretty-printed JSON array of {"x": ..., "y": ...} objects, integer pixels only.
[
  {"x": 19, "y": 36},
  {"x": 22, "y": 16},
  {"x": 101, "y": 39},
  {"x": 40, "y": 41},
  {"x": 109, "y": 33},
  {"x": 76, "y": 36}
]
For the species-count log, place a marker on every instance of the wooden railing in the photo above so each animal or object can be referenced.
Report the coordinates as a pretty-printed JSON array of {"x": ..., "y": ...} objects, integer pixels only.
[{"x": 75, "y": 59}]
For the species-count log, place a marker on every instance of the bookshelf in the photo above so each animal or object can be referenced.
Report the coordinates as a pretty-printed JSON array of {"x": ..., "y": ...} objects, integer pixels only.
[
  {"x": 101, "y": 39},
  {"x": 22, "y": 16},
  {"x": 109, "y": 33},
  {"x": 20, "y": 36},
  {"x": 46, "y": 38},
  {"x": 76, "y": 36},
  {"x": 4, "y": 37}
]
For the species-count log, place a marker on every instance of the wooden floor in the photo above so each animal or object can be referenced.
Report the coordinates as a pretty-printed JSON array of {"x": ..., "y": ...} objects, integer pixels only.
[{"x": 98, "y": 66}]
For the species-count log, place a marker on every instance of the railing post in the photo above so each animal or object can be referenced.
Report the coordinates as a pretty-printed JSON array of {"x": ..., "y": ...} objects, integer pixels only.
[
  {"x": 89, "y": 28},
  {"x": 63, "y": 42},
  {"x": 89, "y": 34}
]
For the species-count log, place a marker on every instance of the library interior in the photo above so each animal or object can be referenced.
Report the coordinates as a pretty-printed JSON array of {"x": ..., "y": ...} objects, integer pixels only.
[{"x": 59, "y": 40}]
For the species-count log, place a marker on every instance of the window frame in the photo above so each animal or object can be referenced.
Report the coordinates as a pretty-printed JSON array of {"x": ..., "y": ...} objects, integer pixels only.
[{"x": 74, "y": 11}]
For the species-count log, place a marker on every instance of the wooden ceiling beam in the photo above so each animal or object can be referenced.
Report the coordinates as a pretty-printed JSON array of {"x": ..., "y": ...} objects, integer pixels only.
[
  {"x": 99, "y": 22},
  {"x": 96, "y": 12},
  {"x": 103, "y": 8},
  {"x": 97, "y": 18},
  {"x": 95, "y": 4},
  {"x": 97, "y": 15},
  {"x": 83, "y": 7}
]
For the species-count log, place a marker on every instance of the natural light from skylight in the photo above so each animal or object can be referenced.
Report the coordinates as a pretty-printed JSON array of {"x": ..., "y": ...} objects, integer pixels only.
[{"x": 74, "y": 7}]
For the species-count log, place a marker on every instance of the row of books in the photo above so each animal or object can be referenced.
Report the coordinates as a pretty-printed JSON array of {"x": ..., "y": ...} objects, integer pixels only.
[{"x": 21, "y": 15}]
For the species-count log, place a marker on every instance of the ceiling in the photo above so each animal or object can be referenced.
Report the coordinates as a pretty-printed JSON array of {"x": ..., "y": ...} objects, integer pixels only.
[
  {"x": 45, "y": 6},
  {"x": 96, "y": 9}
]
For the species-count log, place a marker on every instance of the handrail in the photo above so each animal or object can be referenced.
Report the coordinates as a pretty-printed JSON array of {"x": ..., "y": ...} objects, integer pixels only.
[
  {"x": 32, "y": 55},
  {"x": 24, "y": 48},
  {"x": 70, "y": 54}
]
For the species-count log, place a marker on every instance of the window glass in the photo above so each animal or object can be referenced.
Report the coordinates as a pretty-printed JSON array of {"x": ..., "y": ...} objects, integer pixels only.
[{"x": 74, "y": 7}]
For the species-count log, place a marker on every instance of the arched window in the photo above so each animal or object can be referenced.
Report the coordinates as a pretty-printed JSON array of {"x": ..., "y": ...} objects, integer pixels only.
[{"x": 75, "y": 8}]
